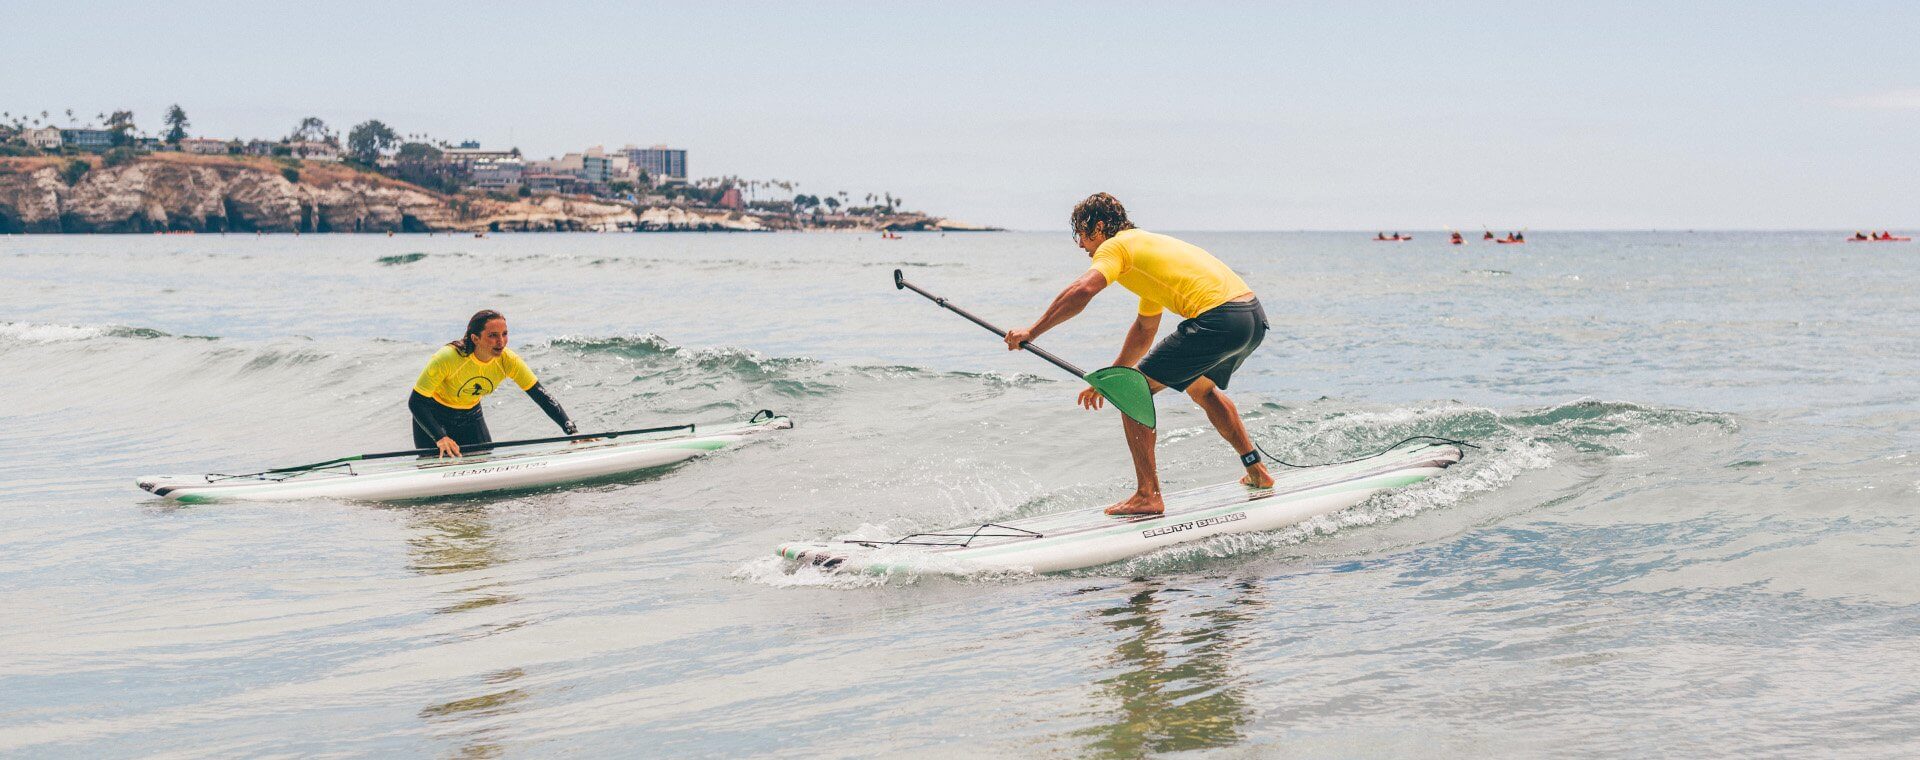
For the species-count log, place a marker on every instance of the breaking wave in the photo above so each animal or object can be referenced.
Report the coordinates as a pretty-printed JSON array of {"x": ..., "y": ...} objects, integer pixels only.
[{"x": 1512, "y": 444}]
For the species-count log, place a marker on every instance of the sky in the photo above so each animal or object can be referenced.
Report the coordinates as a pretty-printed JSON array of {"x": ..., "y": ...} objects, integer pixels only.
[{"x": 1197, "y": 115}]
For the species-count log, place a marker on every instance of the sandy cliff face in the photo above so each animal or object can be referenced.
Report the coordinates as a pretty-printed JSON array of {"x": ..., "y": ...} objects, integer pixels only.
[
  {"x": 170, "y": 192},
  {"x": 151, "y": 195},
  {"x": 177, "y": 193}
]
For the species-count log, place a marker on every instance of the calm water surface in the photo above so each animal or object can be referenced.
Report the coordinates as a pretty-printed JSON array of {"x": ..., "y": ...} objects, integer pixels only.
[{"x": 1691, "y": 530}]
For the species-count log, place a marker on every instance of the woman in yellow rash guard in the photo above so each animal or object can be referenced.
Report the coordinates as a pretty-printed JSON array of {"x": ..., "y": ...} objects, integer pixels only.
[{"x": 446, "y": 399}]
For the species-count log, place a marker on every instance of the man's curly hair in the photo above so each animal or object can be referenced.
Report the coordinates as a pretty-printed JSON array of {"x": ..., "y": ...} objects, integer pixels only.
[{"x": 1100, "y": 212}]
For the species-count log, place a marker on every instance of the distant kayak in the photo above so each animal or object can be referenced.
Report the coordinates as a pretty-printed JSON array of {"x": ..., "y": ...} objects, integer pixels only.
[
  {"x": 1393, "y": 240},
  {"x": 1895, "y": 239},
  {"x": 1511, "y": 242},
  {"x": 413, "y": 477}
]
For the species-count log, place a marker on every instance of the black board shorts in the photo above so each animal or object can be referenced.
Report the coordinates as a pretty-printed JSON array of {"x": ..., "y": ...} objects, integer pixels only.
[
  {"x": 1211, "y": 345},
  {"x": 465, "y": 426}
]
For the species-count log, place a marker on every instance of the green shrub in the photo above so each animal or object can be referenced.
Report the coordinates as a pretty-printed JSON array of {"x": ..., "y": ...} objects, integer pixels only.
[
  {"x": 76, "y": 169},
  {"x": 118, "y": 156},
  {"x": 292, "y": 174}
]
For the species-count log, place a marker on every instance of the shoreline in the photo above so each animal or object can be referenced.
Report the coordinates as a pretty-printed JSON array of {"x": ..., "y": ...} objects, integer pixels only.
[{"x": 184, "y": 194}]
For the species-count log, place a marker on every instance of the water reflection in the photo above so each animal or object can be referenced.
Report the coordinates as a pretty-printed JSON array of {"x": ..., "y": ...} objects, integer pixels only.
[
  {"x": 456, "y": 540},
  {"x": 1176, "y": 689},
  {"x": 450, "y": 539},
  {"x": 479, "y": 742}
]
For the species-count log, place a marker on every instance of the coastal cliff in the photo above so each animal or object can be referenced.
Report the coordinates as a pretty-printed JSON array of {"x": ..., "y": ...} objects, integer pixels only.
[{"x": 186, "y": 193}]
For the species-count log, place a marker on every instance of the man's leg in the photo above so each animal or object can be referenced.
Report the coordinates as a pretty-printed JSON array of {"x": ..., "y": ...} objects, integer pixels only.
[
  {"x": 1226, "y": 419},
  {"x": 1146, "y": 474}
]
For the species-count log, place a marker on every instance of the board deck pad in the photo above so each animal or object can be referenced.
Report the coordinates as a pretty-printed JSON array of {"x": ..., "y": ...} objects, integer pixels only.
[{"x": 1087, "y": 537}]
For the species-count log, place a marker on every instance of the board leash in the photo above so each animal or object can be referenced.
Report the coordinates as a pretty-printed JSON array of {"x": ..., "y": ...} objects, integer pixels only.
[{"x": 1276, "y": 460}]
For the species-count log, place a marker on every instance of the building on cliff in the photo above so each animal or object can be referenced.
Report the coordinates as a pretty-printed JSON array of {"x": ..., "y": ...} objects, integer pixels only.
[
  {"x": 44, "y": 138},
  {"x": 87, "y": 139},
  {"x": 659, "y": 162},
  {"x": 203, "y": 146},
  {"x": 541, "y": 180},
  {"x": 468, "y": 156},
  {"x": 313, "y": 150},
  {"x": 503, "y": 175}
]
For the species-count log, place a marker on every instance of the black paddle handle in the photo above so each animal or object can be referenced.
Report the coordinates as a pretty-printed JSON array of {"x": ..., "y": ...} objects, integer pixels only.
[{"x": 900, "y": 283}]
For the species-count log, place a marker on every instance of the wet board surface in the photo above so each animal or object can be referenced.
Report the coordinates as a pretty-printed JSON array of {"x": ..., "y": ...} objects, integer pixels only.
[
  {"x": 1087, "y": 537},
  {"x": 529, "y": 467}
]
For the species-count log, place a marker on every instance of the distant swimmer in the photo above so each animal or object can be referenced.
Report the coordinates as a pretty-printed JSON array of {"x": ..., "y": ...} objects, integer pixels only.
[
  {"x": 1224, "y": 324},
  {"x": 446, "y": 398}
]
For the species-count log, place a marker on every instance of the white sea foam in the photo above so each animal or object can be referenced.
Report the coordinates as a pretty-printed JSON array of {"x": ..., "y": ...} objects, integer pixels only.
[
  {"x": 27, "y": 332},
  {"x": 1449, "y": 489},
  {"x": 881, "y": 566}
]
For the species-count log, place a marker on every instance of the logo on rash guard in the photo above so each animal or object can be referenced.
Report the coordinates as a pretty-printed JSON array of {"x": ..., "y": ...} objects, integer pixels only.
[{"x": 476, "y": 387}]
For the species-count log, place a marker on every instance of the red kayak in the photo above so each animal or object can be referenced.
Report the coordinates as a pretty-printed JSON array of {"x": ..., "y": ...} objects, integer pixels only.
[
  {"x": 1511, "y": 242},
  {"x": 1879, "y": 240}
]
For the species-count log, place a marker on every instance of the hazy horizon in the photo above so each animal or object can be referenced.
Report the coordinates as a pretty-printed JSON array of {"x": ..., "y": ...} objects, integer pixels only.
[{"x": 1769, "y": 116}]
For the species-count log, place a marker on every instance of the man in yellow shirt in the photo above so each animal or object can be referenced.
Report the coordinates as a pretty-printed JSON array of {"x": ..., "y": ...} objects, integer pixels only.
[{"x": 1224, "y": 324}]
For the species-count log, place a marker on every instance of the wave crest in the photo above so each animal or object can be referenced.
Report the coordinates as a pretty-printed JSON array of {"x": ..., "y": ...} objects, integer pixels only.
[{"x": 31, "y": 333}]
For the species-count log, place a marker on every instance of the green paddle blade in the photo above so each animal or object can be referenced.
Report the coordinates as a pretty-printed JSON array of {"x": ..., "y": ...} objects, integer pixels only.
[{"x": 1127, "y": 389}]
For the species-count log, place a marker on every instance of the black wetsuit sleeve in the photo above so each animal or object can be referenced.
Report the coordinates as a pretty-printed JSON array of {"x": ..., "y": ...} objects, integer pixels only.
[
  {"x": 422, "y": 409},
  {"x": 552, "y": 408}
]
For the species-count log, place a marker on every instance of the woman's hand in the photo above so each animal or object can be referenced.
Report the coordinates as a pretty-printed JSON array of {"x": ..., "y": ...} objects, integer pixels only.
[
  {"x": 448, "y": 448},
  {"x": 1091, "y": 398}
]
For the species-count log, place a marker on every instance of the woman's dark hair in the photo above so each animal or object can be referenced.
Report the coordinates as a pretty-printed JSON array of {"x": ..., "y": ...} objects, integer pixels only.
[
  {"x": 1101, "y": 213},
  {"x": 474, "y": 327}
]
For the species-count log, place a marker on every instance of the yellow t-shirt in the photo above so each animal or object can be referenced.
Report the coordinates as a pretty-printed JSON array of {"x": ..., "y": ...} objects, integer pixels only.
[
  {"x": 461, "y": 381},
  {"x": 1167, "y": 273}
]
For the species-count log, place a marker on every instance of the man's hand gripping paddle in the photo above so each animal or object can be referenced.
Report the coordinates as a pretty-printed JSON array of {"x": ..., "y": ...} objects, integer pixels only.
[{"x": 1124, "y": 386}]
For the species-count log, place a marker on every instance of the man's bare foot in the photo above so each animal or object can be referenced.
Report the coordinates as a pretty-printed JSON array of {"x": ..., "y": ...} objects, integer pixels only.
[
  {"x": 1139, "y": 504},
  {"x": 1257, "y": 477}
]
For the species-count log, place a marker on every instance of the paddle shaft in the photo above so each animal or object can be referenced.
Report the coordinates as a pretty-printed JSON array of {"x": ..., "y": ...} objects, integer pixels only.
[
  {"x": 478, "y": 447},
  {"x": 900, "y": 281}
]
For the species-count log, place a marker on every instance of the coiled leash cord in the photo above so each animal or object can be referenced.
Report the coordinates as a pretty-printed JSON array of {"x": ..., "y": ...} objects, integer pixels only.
[{"x": 1255, "y": 456}]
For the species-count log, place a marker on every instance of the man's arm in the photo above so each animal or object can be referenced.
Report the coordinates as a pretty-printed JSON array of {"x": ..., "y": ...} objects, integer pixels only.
[
  {"x": 1139, "y": 338},
  {"x": 1070, "y": 302}
]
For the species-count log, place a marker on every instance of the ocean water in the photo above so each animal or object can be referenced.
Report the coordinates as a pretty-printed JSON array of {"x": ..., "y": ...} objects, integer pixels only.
[{"x": 1691, "y": 529}]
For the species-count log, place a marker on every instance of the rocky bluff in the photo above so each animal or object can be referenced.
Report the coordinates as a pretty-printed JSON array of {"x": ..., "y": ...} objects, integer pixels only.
[{"x": 171, "y": 192}]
